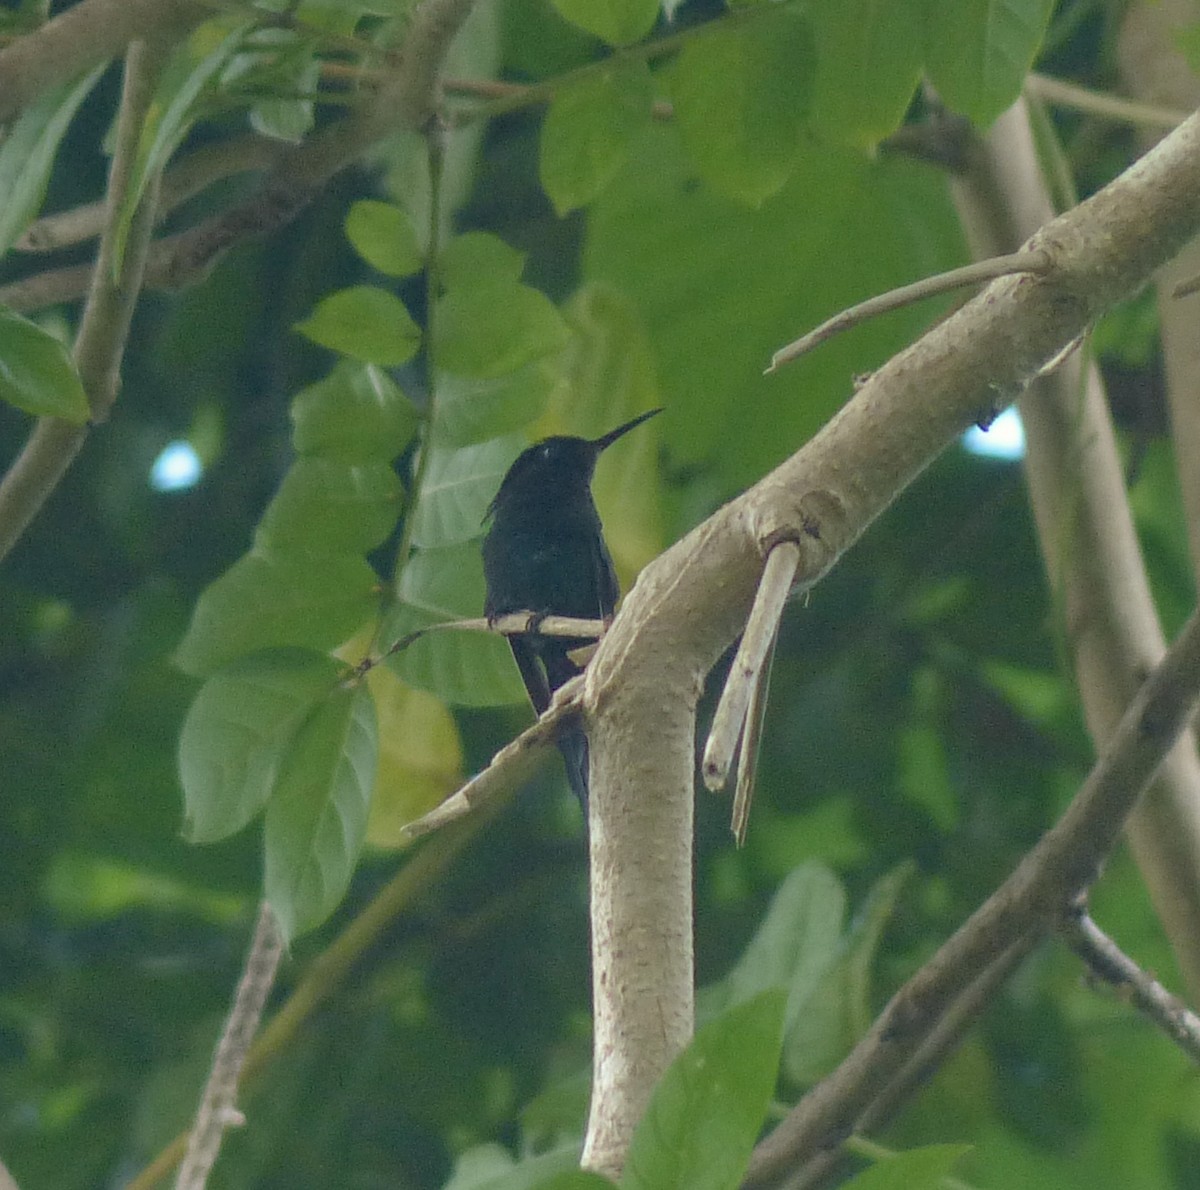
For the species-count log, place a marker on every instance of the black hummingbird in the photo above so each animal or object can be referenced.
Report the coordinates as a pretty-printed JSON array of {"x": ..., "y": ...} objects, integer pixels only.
[{"x": 545, "y": 554}]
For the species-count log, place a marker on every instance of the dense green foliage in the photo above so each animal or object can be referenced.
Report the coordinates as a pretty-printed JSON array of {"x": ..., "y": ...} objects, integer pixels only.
[{"x": 177, "y": 732}]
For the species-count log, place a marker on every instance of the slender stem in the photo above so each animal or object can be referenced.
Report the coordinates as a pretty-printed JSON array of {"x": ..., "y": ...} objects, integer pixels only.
[
  {"x": 218, "y": 1105},
  {"x": 333, "y": 966},
  {"x": 1106, "y": 961},
  {"x": 1097, "y": 103},
  {"x": 907, "y": 295}
]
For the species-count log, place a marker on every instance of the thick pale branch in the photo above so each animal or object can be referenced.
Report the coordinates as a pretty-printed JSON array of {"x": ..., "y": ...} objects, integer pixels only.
[{"x": 692, "y": 602}]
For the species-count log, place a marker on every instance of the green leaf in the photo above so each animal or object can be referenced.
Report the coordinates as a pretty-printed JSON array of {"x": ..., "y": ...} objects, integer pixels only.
[
  {"x": 608, "y": 375},
  {"x": 978, "y": 52},
  {"x": 235, "y": 733},
  {"x": 365, "y": 323},
  {"x": 478, "y": 258},
  {"x": 171, "y": 115},
  {"x": 491, "y": 1167},
  {"x": 837, "y": 1012},
  {"x": 317, "y": 816},
  {"x": 879, "y": 40},
  {"x": 467, "y": 410},
  {"x": 616, "y": 21},
  {"x": 325, "y": 505},
  {"x": 36, "y": 371},
  {"x": 462, "y": 668},
  {"x": 798, "y": 941},
  {"x": 740, "y": 92},
  {"x": 925, "y": 1168},
  {"x": 383, "y": 235},
  {"x": 459, "y": 485},
  {"x": 587, "y": 132},
  {"x": 28, "y": 151},
  {"x": 494, "y": 329},
  {"x": 886, "y": 222},
  {"x": 706, "y": 1112},
  {"x": 355, "y": 414},
  {"x": 268, "y": 599}
]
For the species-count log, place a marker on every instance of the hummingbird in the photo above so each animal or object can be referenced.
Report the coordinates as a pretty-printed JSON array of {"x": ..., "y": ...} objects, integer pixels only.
[{"x": 544, "y": 553}]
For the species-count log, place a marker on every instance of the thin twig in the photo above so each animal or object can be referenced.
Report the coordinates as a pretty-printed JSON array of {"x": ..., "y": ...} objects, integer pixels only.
[
  {"x": 970, "y": 274},
  {"x": 510, "y": 624},
  {"x": 1023, "y": 909},
  {"x": 1107, "y": 962},
  {"x": 512, "y": 766},
  {"x": 218, "y": 1105},
  {"x": 330, "y": 969},
  {"x": 1097, "y": 103},
  {"x": 732, "y": 724},
  {"x": 100, "y": 342},
  {"x": 943, "y": 1039}
]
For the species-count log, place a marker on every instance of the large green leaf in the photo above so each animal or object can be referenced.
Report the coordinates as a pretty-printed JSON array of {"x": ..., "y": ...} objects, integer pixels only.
[
  {"x": 28, "y": 151},
  {"x": 834, "y": 1013},
  {"x": 797, "y": 942},
  {"x": 977, "y": 52},
  {"x": 459, "y": 485},
  {"x": 36, "y": 372},
  {"x": 268, "y": 599},
  {"x": 740, "y": 92},
  {"x": 703, "y": 270},
  {"x": 327, "y": 506},
  {"x": 616, "y": 21},
  {"x": 588, "y": 130},
  {"x": 608, "y": 376},
  {"x": 356, "y": 414},
  {"x": 236, "y": 731},
  {"x": 708, "y": 1109},
  {"x": 317, "y": 816},
  {"x": 491, "y": 1167},
  {"x": 467, "y": 410},
  {"x": 925, "y": 1168},
  {"x": 463, "y": 668},
  {"x": 879, "y": 40},
  {"x": 365, "y": 323}
]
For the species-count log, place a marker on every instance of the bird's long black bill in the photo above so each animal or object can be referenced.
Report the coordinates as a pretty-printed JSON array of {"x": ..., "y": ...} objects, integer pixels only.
[{"x": 612, "y": 435}]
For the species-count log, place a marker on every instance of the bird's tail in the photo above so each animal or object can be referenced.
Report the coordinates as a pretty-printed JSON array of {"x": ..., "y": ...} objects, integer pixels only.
[{"x": 574, "y": 748}]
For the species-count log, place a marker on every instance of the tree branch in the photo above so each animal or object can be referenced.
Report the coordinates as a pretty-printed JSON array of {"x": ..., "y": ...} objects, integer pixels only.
[
  {"x": 689, "y": 604},
  {"x": 1106, "y": 961},
  {"x": 100, "y": 341},
  {"x": 1090, "y": 547},
  {"x": 406, "y": 100},
  {"x": 82, "y": 37},
  {"x": 218, "y": 1105},
  {"x": 1023, "y": 909}
]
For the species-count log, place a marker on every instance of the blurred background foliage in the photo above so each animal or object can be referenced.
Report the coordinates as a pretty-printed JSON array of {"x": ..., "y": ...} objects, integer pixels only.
[{"x": 922, "y": 729}]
